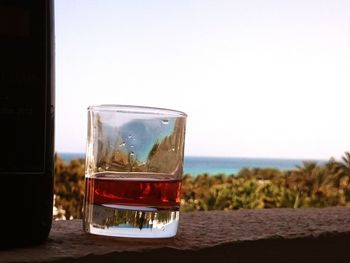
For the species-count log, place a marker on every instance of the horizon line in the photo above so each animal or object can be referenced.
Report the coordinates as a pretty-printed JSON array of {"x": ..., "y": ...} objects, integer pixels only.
[{"x": 235, "y": 157}]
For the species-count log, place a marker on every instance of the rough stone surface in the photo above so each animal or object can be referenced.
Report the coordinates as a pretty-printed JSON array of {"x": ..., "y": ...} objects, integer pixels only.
[{"x": 274, "y": 235}]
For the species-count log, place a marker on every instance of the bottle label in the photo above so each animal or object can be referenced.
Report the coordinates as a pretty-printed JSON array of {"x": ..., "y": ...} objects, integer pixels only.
[{"x": 23, "y": 82}]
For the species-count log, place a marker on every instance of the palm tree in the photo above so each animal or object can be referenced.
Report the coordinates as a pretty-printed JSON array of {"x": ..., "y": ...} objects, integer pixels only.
[
  {"x": 305, "y": 180},
  {"x": 342, "y": 171},
  {"x": 307, "y": 175},
  {"x": 344, "y": 166}
]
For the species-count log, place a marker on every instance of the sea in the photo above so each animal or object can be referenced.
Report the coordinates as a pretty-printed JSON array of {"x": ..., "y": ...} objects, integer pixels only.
[{"x": 196, "y": 165}]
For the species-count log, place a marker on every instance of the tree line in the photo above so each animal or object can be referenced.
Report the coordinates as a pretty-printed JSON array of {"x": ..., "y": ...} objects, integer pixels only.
[{"x": 309, "y": 185}]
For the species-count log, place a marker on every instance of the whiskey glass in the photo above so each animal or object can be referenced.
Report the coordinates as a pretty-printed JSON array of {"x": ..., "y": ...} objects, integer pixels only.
[{"x": 134, "y": 167}]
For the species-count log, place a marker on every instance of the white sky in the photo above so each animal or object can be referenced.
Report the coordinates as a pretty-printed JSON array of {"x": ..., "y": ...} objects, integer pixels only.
[{"x": 257, "y": 78}]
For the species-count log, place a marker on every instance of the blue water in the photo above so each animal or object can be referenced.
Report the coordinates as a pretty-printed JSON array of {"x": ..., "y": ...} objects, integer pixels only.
[
  {"x": 225, "y": 165},
  {"x": 67, "y": 157},
  {"x": 219, "y": 165}
]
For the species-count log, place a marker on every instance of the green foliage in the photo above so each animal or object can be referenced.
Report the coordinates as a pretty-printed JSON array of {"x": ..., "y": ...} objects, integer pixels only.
[
  {"x": 309, "y": 185},
  {"x": 69, "y": 188}
]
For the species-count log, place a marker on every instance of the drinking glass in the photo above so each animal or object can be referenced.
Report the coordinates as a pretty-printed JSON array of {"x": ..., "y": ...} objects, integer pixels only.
[{"x": 134, "y": 165}]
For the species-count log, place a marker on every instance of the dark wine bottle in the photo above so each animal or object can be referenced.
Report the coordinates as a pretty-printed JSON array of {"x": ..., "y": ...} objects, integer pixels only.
[{"x": 26, "y": 121}]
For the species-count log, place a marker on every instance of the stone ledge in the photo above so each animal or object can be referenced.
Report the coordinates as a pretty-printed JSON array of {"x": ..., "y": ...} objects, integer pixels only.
[{"x": 274, "y": 235}]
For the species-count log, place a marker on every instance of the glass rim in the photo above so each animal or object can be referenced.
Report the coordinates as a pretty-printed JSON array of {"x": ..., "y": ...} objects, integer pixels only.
[{"x": 137, "y": 110}]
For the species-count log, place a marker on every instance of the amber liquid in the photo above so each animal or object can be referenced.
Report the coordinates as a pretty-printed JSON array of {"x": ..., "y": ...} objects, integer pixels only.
[
  {"x": 131, "y": 207},
  {"x": 160, "y": 194}
]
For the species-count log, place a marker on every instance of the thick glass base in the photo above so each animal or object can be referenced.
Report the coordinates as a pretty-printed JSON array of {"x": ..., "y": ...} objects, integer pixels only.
[{"x": 130, "y": 221}]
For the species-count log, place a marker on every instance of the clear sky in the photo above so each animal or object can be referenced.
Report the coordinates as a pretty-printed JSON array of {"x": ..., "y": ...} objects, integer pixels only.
[{"x": 257, "y": 78}]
